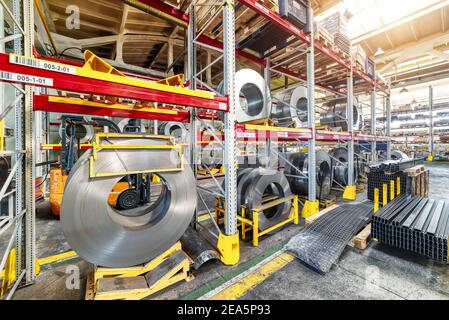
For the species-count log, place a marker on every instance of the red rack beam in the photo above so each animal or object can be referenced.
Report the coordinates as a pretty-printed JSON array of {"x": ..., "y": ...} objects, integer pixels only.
[
  {"x": 42, "y": 103},
  {"x": 69, "y": 82}
]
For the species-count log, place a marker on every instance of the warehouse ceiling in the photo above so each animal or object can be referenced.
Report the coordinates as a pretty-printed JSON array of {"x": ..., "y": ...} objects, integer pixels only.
[{"x": 408, "y": 39}]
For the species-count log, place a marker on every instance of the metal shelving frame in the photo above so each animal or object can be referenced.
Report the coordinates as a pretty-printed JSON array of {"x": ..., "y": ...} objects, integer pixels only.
[
  {"x": 23, "y": 217},
  {"x": 354, "y": 78}
]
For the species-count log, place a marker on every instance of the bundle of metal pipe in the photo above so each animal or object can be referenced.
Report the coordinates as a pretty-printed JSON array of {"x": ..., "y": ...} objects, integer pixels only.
[
  {"x": 395, "y": 165},
  {"x": 322, "y": 242},
  {"x": 334, "y": 114},
  {"x": 398, "y": 155},
  {"x": 108, "y": 237},
  {"x": 415, "y": 224},
  {"x": 296, "y": 169},
  {"x": 376, "y": 180},
  {"x": 254, "y": 185}
]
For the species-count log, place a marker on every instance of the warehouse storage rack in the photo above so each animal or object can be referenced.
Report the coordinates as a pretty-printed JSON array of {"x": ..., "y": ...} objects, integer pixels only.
[{"x": 40, "y": 71}]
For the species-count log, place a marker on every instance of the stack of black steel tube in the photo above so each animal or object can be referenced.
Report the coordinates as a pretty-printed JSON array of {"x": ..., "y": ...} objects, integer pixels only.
[{"x": 415, "y": 224}]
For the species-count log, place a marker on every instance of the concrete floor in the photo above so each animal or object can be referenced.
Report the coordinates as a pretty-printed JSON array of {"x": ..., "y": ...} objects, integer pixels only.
[{"x": 378, "y": 272}]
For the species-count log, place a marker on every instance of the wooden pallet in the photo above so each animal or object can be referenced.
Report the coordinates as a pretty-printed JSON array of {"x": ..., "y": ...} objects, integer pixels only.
[
  {"x": 325, "y": 201},
  {"x": 415, "y": 171},
  {"x": 362, "y": 239},
  {"x": 418, "y": 181}
]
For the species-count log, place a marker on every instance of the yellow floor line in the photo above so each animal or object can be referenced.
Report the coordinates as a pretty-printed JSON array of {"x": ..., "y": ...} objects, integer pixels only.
[
  {"x": 57, "y": 257},
  {"x": 241, "y": 287}
]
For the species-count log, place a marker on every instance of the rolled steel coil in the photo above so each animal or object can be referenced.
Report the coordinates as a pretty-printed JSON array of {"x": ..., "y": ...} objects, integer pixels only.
[
  {"x": 124, "y": 124},
  {"x": 255, "y": 97},
  {"x": 299, "y": 183},
  {"x": 84, "y": 132},
  {"x": 335, "y": 115},
  {"x": 340, "y": 167},
  {"x": 292, "y": 108},
  {"x": 398, "y": 155},
  {"x": 107, "y": 237},
  {"x": 175, "y": 129},
  {"x": 211, "y": 156},
  {"x": 255, "y": 184}
]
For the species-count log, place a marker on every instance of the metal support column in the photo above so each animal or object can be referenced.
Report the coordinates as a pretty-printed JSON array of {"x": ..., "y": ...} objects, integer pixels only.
[
  {"x": 228, "y": 244},
  {"x": 191, "y": 69},
  {"x": 268, "y": 144},
  {"x": 30, "y": 226},
  {"x": 388, "y": 125},
  {"x": 311, "y": 207},
  {"x": 431, "y": 141},
  {"x": 373, "y": 126},
  {"x": 350, "y": 114}
]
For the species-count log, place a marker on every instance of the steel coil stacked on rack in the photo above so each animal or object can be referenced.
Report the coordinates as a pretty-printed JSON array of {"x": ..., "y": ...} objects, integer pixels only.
[
  {"x": 255, "y": 96},
  {"x": 211, "y": 157},
  {"x": 335, "y": 114},
  {"x": 340, "y": 166},
  {"x": 291, "y": 108},
  {"x": 296, "y": 170},
  {"x": 125, "y": 124},
  {"x": 83, "y": 132},
  {"x": 255, "y": 184},
  {"x": 177, "y": 130},
  {"x": 108, "y": 237}
]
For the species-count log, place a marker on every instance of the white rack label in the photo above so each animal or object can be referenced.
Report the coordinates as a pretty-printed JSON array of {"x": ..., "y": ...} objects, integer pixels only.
[
  {"x": 9, "y": 76},
  {"x": 41, "y": 64}
]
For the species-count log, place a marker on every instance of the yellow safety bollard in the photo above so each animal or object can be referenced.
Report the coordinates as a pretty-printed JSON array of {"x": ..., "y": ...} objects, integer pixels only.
[
  {"x": 398, "y": 186},
  {"x": 376, "y": 200},
  {"x": 391, "y": 190},
  {"x": 384, "y": 195}
]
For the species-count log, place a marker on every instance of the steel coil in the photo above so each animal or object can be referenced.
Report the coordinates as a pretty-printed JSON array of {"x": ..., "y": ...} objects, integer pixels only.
[
  {"x": 340, "y": 167},
  {"x": 266, "y": 182},
  {"x": 83, "y": 132},
  {"x": 175, "y": 129},
  {"x": 292, "y": 108},
  {"x": 299, "y": 183},
  {"x": 251, "y": 189},
  {"x": 124, "y": 124},
  {"x": 255, "y": 96},
  {"x": 211, "y": 156},
  {"x": 335, "y": 115},
  {"x": 107, "y": 237}
]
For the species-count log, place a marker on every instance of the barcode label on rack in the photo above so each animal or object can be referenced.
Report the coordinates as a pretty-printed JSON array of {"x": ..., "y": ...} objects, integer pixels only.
[
  {"x": 41, "y": 64},
  {"x": 9, "y": 76}
]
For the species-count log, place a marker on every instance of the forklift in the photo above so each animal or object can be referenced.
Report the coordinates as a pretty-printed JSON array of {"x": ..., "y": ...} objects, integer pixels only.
[{"x": 129, "y": 193}]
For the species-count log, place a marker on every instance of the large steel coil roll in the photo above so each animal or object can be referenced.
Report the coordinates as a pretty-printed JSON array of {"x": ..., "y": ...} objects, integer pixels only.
[
  {"x": 125, "y": 125},
  {"x": 83, "y": 132},
  {"x": 108, "y": 237},
  {"x": 398, "y": 155},
  {"x": 334, "y": 114},
  {"x": 299, "y": 182},
  {"x": 255, "y": 96},
  {"x": 340, "y": 167},
  {"x": 257, "y": 183},
  {"x": 292, "y": 108},
  {"x": 211, "y": 156},
  {"x": 175, "y": 129}
]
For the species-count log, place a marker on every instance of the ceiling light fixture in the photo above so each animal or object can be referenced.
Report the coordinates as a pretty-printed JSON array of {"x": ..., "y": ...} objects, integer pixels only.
[{"x": 379, "y": 52}]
